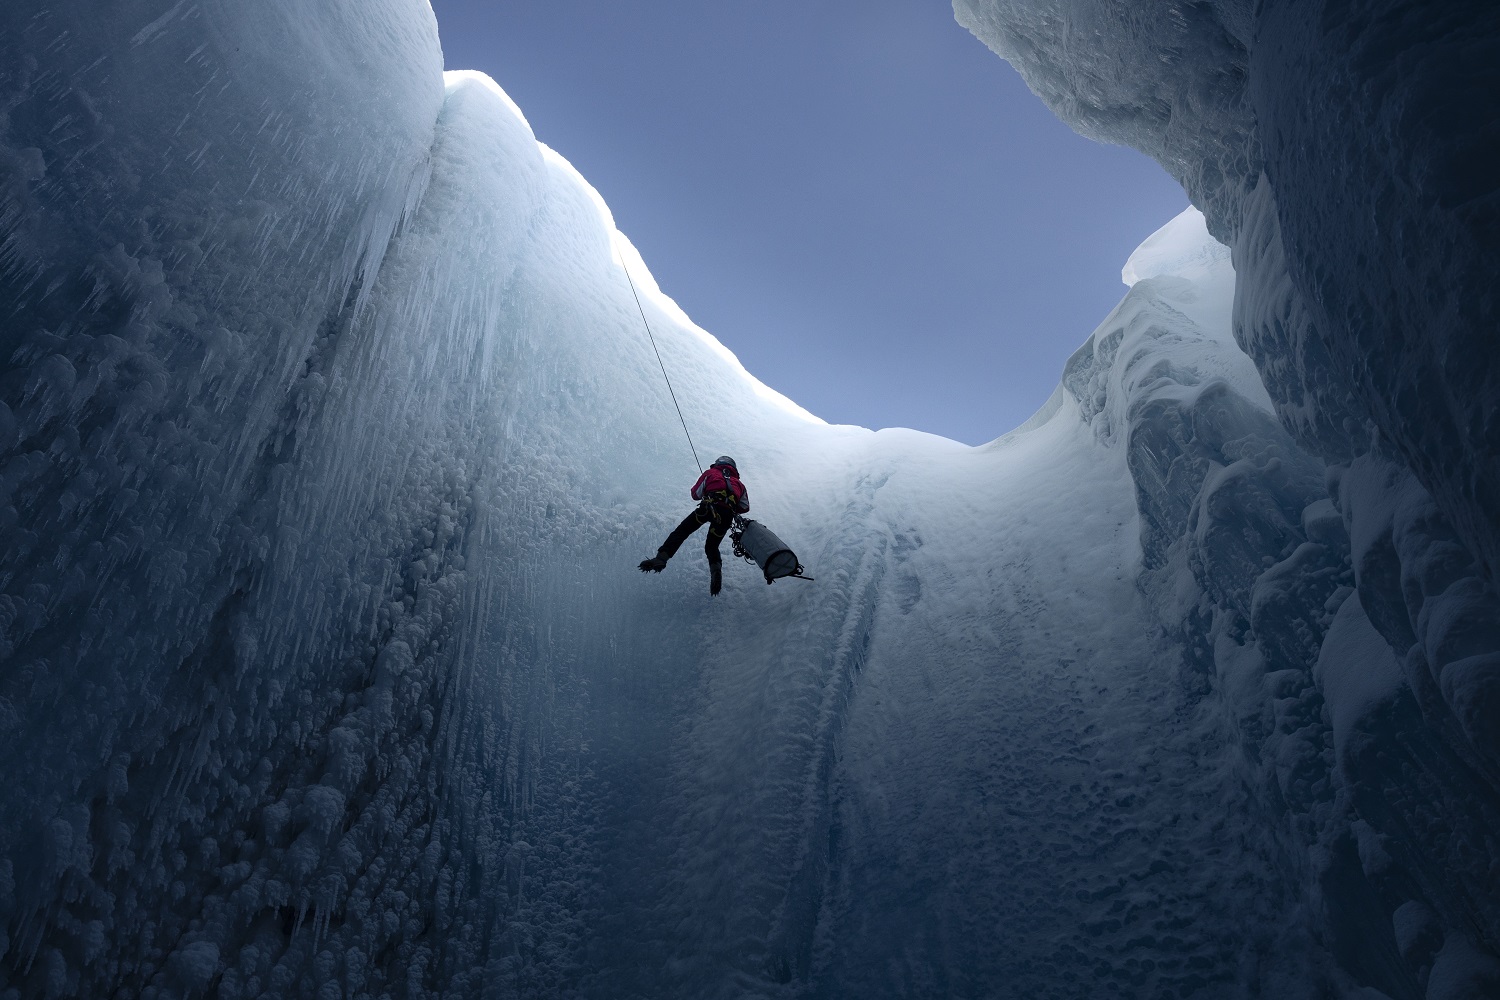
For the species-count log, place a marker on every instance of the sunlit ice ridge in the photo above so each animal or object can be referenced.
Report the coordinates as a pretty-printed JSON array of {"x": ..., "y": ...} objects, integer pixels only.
[
  {"x": 332, "y": 436},
  {"x": 629, "y": 259}
]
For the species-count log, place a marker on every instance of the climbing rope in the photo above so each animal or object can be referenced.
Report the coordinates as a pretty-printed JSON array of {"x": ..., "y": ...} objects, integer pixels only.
[{"x": 659, "y": 362}]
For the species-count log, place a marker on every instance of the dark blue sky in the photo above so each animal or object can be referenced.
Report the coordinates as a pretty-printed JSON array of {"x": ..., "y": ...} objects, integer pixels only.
[{"x": 856, "y": 196}]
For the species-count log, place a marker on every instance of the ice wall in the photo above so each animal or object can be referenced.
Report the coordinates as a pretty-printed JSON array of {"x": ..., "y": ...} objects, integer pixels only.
[
  {"x": 321, "y": 482},
  {"x": 329, "y": 439},
  {"x": 1324, "y": 144}
]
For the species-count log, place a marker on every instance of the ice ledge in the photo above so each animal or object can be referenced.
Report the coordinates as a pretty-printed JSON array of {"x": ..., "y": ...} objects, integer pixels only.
[{"x": 1183, "y": 247}]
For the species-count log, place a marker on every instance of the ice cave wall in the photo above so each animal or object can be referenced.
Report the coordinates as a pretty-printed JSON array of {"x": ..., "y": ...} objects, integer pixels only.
[
  {"x": 315, "y": 419},
  {"x": 1324, "y": 140},
  {"x": 1333, "y": 146},
  {"x": 1324, "y": 143}
]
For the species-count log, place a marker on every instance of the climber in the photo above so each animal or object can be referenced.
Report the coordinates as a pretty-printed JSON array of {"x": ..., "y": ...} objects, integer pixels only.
[{"x": 721, "y": 496}]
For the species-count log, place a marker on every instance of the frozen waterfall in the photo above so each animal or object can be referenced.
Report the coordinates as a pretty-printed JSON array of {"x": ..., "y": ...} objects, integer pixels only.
[{"x": 329, "y": 440}]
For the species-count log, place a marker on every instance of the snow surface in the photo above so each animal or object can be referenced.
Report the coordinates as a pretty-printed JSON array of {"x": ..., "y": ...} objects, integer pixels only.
[
  {"x": 1181, "y": 247},
  {"x": 331, "y": 438}
]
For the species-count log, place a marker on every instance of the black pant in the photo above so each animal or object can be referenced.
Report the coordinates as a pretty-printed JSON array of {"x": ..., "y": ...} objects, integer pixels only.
[{"x": 719, "y": 519}]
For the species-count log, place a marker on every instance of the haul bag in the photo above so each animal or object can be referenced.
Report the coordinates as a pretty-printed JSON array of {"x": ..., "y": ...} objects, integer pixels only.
[{"x": 770, "y": 553}]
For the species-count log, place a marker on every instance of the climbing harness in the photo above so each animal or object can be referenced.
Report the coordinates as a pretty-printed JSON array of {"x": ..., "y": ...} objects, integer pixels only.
[
  {"x": 659, "y": 361},
  {"x": 757, "y": 544}
]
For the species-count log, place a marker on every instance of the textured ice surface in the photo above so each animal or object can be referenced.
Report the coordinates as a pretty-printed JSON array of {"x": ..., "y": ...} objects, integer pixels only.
[
  {"x": 1182, "y": 247},
  {"x": 329, "y": 439},
  {"x": 1323, "y": 143}
]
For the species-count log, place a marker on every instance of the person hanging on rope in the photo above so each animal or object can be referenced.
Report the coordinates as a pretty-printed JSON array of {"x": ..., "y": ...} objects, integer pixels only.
[{"x": 721, "y": 496}]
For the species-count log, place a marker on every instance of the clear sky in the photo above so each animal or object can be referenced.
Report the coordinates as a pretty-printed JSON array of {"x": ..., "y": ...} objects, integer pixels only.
[{"x": 856, "y": 196}]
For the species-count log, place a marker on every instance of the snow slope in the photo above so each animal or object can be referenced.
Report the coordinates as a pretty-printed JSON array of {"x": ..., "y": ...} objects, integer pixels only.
[{"x": 330, "y": 440}]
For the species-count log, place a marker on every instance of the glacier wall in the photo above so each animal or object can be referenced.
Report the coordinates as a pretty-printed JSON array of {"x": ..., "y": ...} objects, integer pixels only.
[
  {"x": 1323, "y": 143},
  {"x": 329, "y": 438}
]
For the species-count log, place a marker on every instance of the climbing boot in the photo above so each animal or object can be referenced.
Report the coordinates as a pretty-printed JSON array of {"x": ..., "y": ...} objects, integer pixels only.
[
  {"x": 655, "y": 564},
  {"x": 715, "y": 578}
]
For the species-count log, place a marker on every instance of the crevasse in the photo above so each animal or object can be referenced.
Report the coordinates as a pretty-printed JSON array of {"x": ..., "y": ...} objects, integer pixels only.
[{"x": 330, "y": 439}]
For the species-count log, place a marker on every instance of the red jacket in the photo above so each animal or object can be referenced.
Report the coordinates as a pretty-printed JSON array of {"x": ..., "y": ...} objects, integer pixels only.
[{"x": 721, "y": 484}]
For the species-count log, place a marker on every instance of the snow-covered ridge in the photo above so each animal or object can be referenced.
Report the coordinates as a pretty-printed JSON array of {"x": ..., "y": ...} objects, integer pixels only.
[
  {"x": 329, "y": 439},
  {"x": 1182, "y": 247},
  {"x": 626, "y": 253}
]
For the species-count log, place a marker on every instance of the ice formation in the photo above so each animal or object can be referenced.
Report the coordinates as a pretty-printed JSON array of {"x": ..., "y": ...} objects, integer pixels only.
[
  {"x": 1325, "y": 144},
  {"x": 329, "y": 438}
]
